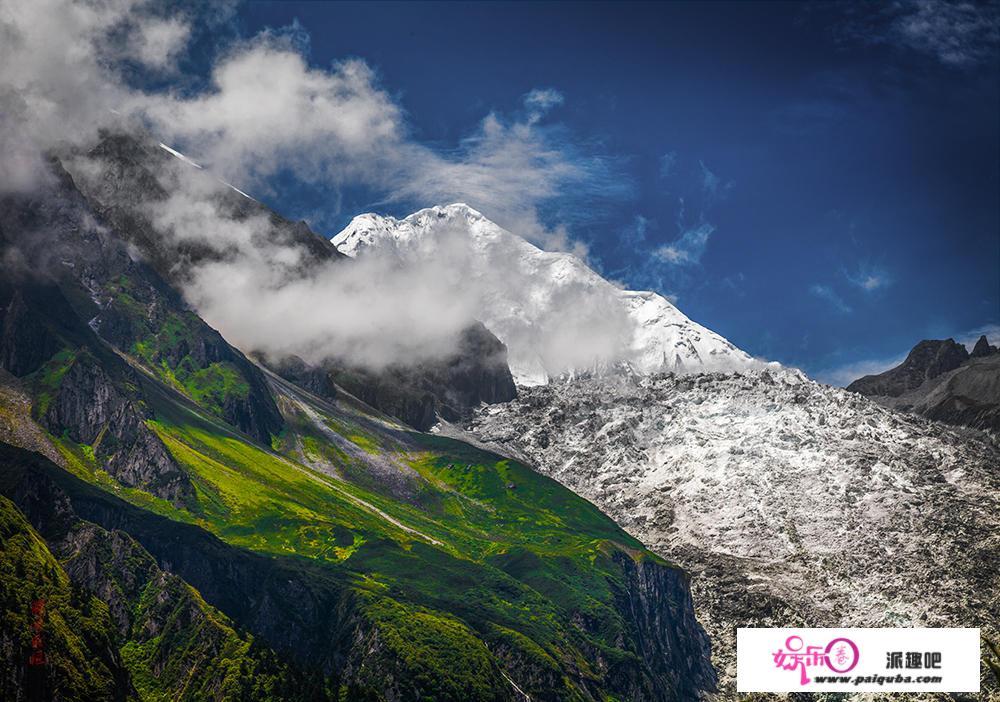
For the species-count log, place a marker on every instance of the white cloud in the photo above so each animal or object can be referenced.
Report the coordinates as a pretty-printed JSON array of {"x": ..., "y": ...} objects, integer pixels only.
[
  {"x": 157, "y": 42},
  {"x": 540, "y": 101},
  {"x": 712, "y": 186},
  {"x": 688, "y": 249},
  {"x": 825, "y": 292},
  {"x": 869, "y": 278},
  {"x": 266, "y": 293},
  {"x": 265, "y": 110}
]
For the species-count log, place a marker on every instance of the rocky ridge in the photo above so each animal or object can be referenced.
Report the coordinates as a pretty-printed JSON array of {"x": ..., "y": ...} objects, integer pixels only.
[{"x": 941, "y": 380}]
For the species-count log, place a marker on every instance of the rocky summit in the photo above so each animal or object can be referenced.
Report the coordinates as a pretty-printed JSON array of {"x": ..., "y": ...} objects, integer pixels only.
[{"x": 941, "y": 380}]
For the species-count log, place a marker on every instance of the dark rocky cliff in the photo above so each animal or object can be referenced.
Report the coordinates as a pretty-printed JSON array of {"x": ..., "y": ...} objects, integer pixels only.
[
  {"x": 671, "y": 642},
  {"x": 940, "y": 380},
  {"x": 91, "y": 409},
  {"x": 421, "y": 393},
  {"x": 928, "y": 359}
]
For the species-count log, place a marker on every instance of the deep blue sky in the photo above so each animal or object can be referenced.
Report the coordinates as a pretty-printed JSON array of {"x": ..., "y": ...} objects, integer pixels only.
[{"x": 850, "y": 167}]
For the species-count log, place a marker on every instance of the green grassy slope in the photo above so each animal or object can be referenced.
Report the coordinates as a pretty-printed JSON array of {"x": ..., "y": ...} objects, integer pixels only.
[
  {"x": 469, "y": 566},
  {"x": 487, "y": 550},
  {"x": 76, "y": 629}
]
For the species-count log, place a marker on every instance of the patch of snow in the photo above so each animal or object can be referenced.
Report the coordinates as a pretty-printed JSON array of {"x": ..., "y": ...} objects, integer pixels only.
[
  {"x": 179, "y": 155},
  {"x": 188, "y": 161}
]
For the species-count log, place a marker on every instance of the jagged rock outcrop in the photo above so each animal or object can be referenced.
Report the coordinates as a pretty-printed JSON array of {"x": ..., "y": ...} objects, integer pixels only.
[
  {"x": 93, "y": 410},
  {"x": 670, "y": 640},
  {"x": 942, "y": 382},
  {"x": 928, "y": 359},
  {"x": 984, "y": 348}
]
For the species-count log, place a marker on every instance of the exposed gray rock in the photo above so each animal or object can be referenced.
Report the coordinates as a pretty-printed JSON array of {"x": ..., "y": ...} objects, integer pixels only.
[
  {"x": 93, "y": 410},
  {"x": 671, "y": 641},
  {"x": 928, "y": 359},
  {"x": 983, "y": 348},
  {"x": 422, "y": 393},
  {"x": 791, "y": 503},
  {"x": 954, "y": 388}
]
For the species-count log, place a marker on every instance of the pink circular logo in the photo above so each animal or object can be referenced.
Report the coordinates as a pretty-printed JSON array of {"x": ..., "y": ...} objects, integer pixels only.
[{"x": 842, "y": 655}]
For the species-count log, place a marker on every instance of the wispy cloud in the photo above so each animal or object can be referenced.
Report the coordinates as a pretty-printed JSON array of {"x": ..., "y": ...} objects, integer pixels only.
[
  {"x": 957, "y": 34},
  {"x": 712, "y": 186},
  {"x": 634, "y": 235},
  {"x": 828, "y": 294},
  {"x": 869, "y": 278},
  {"x": 735, "y": 283},
  {"x": 266, "y": 111},
  {"x": 541, "y": 101},
  {"x": 667, "y": 163},
  {"x": 688, "y": 248},
  {"x": 655, "y": 260}
]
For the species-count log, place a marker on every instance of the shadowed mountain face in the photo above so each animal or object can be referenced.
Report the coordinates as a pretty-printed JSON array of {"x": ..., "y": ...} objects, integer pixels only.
[
  {"x": 927, "y": 360},
  {"x": 449, "y": 389},
  {"x": 419, "y": 394},
  {"x": 941, "y": 380},
  {"x": 127, "y": 180}
]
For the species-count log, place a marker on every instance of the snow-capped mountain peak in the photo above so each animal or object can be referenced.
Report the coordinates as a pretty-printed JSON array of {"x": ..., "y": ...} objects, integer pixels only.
[{"x": 555, "y": 314}]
